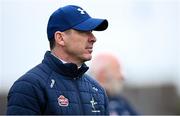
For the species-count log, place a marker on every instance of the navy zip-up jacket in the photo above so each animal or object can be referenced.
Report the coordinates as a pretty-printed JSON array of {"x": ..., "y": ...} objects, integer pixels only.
[{"x": 56, "y": 88}]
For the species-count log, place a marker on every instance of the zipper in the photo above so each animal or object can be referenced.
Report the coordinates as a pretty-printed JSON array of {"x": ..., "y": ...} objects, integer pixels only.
[{"x": 79, "y": 96}]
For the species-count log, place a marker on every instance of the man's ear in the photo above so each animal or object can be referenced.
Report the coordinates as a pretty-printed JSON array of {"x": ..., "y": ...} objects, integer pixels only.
[{"x": 59, "y": 38}]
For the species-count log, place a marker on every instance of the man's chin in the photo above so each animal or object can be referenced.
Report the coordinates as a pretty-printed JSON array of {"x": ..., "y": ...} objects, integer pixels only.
[{"x": 87, "y": 57}]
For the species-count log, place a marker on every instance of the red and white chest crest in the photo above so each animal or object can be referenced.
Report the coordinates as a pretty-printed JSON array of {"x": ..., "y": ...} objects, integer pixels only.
[{"x": 63, "y": 101}]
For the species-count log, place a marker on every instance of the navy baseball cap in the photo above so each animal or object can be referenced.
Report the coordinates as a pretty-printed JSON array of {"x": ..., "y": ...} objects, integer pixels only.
[{"x": 73, "y": 17}]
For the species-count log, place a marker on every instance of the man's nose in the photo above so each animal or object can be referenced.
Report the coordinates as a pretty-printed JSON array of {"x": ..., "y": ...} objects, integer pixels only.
[{"x": 91, "y": 37}]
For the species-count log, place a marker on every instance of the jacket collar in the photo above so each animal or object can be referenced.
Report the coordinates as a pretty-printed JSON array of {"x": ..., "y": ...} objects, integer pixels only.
[{"x": 67, "y": 69}]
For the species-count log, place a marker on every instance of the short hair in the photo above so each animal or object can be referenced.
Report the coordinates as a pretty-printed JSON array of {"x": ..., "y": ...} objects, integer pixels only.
[
  {"x": 52, "y": 40},
  {"x": 52, "y": 43}
]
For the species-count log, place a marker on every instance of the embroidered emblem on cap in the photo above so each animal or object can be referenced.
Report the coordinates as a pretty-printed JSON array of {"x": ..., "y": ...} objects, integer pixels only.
[
  {"x": 63, "y": 101},
  {"x": 81, "y": 11}
]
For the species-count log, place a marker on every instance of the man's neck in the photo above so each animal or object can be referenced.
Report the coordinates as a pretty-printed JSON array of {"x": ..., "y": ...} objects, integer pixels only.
[{"x": 65, "y": 58}]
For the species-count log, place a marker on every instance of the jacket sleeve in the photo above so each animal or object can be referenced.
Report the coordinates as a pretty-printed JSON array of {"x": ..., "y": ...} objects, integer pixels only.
[
  {"x": 106, "y": 104},
  {"x": 25, "y": 98}
]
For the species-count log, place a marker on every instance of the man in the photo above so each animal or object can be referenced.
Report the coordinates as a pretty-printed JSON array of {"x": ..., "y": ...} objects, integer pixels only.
[
  {"x": 58, "y": 85},
  {"x": 106, "y": 68}
]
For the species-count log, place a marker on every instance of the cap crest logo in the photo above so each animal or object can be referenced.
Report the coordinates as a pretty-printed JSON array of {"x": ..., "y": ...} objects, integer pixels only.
[
  {"x": 63, "y": 101},
  {"x": 81, "y": 11}
]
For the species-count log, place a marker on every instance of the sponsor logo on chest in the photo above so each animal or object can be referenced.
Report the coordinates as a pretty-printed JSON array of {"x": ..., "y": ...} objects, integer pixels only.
[{"x": 63, "y": 101}]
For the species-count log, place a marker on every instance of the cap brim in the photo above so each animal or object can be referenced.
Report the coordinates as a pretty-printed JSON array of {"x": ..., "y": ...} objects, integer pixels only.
[{"x": 92, "y": 24}]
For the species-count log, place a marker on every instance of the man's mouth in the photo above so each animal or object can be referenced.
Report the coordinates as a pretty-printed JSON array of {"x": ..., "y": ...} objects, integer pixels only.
[{"x": 90, "y": 49}]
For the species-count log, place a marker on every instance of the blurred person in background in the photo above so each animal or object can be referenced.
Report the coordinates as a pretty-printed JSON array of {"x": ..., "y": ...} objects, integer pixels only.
[
  {"x": 59, "y": 85},
  {"x": 107, "y": 70}
]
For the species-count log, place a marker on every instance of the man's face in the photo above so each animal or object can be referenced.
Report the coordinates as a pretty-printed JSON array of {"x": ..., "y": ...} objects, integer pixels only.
[{"x": 79, "y": 45}]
